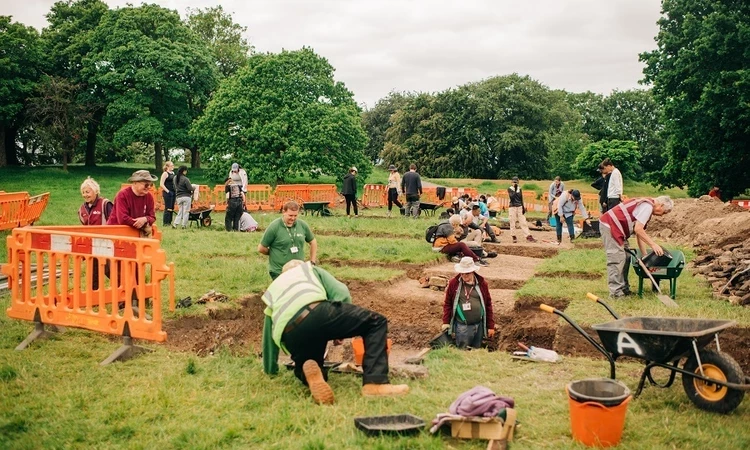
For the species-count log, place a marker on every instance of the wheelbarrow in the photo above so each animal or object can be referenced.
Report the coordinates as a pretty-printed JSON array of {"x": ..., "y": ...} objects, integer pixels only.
[
  {"x": 201, "y": 216},
  {"x": 712, "y": 380}
]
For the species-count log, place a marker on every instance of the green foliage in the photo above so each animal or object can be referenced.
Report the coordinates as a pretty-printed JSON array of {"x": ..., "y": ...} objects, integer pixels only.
[
  {"x": 377, "y": 120},
  {"x": 280, "y": 116},
  {"x": 224, "y": 37},
  {"x": 564, "y": 148},
  {"x": 700, "y": 75},
  {"x": 624, "y": 155}
]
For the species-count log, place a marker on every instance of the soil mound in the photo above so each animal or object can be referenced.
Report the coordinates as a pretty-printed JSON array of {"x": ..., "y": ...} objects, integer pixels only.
[{"x": 703, "y": 222}]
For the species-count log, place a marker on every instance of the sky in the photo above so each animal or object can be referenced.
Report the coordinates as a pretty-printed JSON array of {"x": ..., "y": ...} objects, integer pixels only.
[{"x": 379, "y": 46}]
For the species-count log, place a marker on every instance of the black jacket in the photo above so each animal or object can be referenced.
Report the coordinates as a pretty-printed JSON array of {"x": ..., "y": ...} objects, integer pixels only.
[
  {"x": 350, "y": 184},
  {"x": 411, "y": 183},
  {"x": 516, "y": 198},
  {"x": 183, "y": 188}
]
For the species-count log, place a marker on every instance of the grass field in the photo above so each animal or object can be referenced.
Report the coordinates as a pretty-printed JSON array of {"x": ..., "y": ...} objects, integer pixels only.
[{"x": 55, "y": 395}]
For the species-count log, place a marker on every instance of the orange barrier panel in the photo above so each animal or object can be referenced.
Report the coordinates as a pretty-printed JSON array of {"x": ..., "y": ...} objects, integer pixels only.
[
  {"x": 591, "y": 202},
  {"x": 34, "y": 209},
  {"x": 458, "y": 192},
  {"x": 259, "y": 197},
  {"x": 12, "y": 207},
  {"x": 322, "y": 193},
  {"x": 375, "y": 195},
  {"x": 743, "y": 203},
  {"x": 290, "y": 192},
  {"x": 429, "y": 195},
  {"x": 138, "y": 266}
]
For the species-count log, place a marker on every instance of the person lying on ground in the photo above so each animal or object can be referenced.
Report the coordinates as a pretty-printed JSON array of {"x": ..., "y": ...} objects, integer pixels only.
[
  {"x": 305, "y": 308},
  {"x": 564, "y": 208},
  {"x": 617, "y": 225},
  {"x": 446, "y": 242},
  {"x": 467, "y": 307}
]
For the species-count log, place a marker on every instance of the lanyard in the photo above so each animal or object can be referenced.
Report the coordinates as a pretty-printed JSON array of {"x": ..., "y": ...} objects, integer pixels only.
[
  {"x": 291, "y": 237},
  {"x": 467, "y": 292}
]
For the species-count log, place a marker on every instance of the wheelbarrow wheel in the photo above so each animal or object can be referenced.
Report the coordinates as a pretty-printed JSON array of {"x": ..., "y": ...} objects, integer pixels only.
[
  {"x": 206, "y": 222},
  {"x": 709, "y": 396}
]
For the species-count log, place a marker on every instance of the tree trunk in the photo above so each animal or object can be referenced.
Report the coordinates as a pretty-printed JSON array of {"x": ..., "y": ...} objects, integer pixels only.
[
  {"x": 93, "y": 131},
  {"x": 9, "y": 141},
  {"x": 65, "y": 161},
  {"x": 158, "y": 156},
  {"x": 195, "y": 158}
]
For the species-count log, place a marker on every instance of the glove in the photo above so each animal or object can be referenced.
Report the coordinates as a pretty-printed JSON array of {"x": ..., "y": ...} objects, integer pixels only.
[
  {"x": 445, "y": 327},
  {"x": 491, "y": 332}
]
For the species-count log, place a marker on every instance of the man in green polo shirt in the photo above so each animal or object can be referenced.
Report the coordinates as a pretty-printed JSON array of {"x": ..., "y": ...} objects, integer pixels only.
[{"x": 284, "y": 240}]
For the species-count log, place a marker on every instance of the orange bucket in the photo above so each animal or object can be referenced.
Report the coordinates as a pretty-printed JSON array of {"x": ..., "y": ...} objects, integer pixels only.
[
  {"x": 358, "y": 346},
  {"x": 596, "y": 425}
]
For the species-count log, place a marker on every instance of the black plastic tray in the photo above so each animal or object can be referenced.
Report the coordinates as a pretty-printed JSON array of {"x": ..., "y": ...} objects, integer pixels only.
[{"x": 396, "y": 424}]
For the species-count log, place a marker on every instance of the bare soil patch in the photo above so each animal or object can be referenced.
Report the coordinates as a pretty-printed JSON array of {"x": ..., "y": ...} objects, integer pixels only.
[{"x": 568, "y": 274}]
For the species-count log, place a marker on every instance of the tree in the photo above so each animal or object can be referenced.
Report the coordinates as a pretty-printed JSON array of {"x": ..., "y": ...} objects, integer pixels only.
[
  {"x": 59, "y": 118},
  {"x": 152, "y": 70},
  {"x": 623, "y": 154},
  {"x": 700, "y": 73},
  {"x": 564, "y": 147},
  {"x": 377, "y": 120},
  {"x": 20, "y": 68},
  {"x": 67, "y": 41},
  {"x": 229, "y": 49},
  {"x": 282, "y": 115}
]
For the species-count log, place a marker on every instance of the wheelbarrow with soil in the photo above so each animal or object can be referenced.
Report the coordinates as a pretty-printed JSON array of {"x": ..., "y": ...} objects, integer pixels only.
[
  {"x": 201, "y": 216},
  {"x": 712, "y": 379}
]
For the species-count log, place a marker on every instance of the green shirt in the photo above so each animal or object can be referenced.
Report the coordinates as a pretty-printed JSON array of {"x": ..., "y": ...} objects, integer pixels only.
[{"x": 279, "y": 240}]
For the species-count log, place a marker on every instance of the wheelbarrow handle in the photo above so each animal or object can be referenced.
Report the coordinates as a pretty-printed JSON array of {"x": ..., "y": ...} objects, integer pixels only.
[{"x": 596, "y": 299}]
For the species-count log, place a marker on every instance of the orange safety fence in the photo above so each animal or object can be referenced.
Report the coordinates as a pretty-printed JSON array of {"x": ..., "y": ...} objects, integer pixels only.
[
  {"x": 290, "y": 192},
  {"x": 219, "y": 197},
  {"x": 97, "y": 275},
  {"x": 206, "y": 197},
  {"x": 18, "y": 209},
  {"x": 322, "y": 193},
  {"x": 743, "y": 203},
  {"x": 259, "y": 197},
  {"x": 459, "y": 191},
  {"x": 429, "y": 195},
  {"x": 34, "y": 209},
  {"x": 375, "y": 195},
  {"x": 591, "y": 202}
]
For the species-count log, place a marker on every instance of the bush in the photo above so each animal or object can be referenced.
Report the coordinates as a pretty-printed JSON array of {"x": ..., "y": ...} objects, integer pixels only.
[{"x": 623, "y": 154}]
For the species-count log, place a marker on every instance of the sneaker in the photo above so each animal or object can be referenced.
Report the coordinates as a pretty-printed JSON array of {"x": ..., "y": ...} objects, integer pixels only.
[
  {"x": 320, "y": 390},
  {"x": 455, "y": 259},
  {"x": 492, "y": 254},
  {"x": 530, "y": 238},
  {"x": 384, "y": 390},
  {"x": 482, "y": 263}
]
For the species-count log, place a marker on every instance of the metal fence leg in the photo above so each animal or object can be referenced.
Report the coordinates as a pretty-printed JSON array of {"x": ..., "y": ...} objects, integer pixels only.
[
  {"x": 126, "y": 351},
  {"x": 39, "y": 332}
]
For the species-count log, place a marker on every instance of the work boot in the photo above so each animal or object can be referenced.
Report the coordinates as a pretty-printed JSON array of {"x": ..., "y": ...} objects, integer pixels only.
[
  {"x": 320, "y": 390},
  {"x": 530, "y": 238},
  {"x": 515, "y": 240},
  {"x": 384, "y": 390}
]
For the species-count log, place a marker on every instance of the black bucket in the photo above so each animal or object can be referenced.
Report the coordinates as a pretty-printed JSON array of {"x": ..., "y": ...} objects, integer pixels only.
[{"x": 604, "y": 391}]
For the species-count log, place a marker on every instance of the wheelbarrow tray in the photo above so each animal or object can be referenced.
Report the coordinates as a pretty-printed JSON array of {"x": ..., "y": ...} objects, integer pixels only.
[
  {"x": 671, "y": 270},
  {"x": 657, "y": 339}
]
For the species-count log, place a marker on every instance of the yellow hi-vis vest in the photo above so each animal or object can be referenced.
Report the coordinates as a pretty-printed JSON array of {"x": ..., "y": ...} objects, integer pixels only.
[{"x": 290, "y": 292}]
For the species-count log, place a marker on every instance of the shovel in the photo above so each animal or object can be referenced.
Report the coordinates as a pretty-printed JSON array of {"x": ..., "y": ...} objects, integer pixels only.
[
  {"x": 665, "y": 299},
  {"x": 419, "y": 357}
]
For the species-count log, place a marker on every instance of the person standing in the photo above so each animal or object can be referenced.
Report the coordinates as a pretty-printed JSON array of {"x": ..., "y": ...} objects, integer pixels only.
[
  {"x": 411, "y": 185},
  {"x": 516, "y": 212},
  {"x": 555, "y": 189},
  {"x": 166, "y": 182},
  {"x": 184, "y": 193},
  {"x": 349, "y": 191},
  {"x": 601, "y": 185},
  {"x": 614, "y": 184},
  {"x": 617, "y": 225},
  {"x": 394, "y": 184},
  {"x": 564, "y": 209},
  {"x": 284, "y": 240},
  {"x": 235, "y": 204},
  {"x": 467, "y": 307},
  {"x": 238, "y": 176}
]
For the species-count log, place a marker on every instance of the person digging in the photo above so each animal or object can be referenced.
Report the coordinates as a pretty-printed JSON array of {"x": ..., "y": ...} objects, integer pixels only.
[{"x": 305, "y": 308}]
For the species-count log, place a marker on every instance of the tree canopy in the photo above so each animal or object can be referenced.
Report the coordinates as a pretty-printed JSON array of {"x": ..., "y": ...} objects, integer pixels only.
[
  {"x": 283, "y": 115},
  {"x": 700, "y": 73}
]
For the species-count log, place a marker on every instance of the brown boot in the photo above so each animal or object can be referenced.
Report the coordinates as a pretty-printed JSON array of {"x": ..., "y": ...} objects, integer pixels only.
[
  {"x": 530, "y": 238},
  {"x": 384, "y": 390},
  {"x": 320, "y": 390}
]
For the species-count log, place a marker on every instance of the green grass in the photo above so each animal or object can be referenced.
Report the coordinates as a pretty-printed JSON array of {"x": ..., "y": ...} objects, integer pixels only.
[{"x": 55, "y": 395}]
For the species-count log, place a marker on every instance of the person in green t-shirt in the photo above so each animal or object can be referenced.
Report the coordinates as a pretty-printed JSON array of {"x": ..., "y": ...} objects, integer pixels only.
[{"x": 284, "y": 240}]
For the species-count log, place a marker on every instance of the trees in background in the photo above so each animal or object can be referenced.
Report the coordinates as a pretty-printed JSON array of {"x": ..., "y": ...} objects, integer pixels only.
[
  {"x": 623, "y": 154},
  {"x": 700, "y": 73},
  {"x": 283, "y": 115},
  {"x": 377, "y": 120}
]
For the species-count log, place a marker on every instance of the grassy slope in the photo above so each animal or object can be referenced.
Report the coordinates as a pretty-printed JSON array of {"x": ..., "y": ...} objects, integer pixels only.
[{"x": 54, "y": 395}]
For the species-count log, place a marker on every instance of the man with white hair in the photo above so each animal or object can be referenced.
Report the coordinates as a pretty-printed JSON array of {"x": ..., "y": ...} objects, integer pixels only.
[
  {"x": 306, "y": 308},
  {"x": 617, "y": 225}
]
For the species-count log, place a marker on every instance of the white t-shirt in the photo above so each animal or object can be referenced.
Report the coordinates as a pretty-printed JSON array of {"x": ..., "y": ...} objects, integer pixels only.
[
  {"x": 247, "y": 223},
  {"x": 642, "y": 213},
  {"x": 615, "y": 184}
]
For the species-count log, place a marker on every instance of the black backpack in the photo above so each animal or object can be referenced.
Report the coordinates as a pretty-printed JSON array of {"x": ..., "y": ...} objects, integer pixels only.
[{"x": 429, "y": 235}]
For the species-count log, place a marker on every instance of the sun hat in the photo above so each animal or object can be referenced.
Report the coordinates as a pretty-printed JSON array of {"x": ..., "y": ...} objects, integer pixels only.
[
  {"x": 466, "y": 265},
  {"x": 454, "y": 200},
  {"x": 576, "y": 194},
  {"x": 235, "y": 167},
  {"x": 142, "y": 175},
  {"x": 391, "y": 167}
]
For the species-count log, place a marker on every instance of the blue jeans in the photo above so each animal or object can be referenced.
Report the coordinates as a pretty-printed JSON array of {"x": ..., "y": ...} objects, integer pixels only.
[
  {"x": 468, "y": 335},
  {"x": 571, "y": 230}
]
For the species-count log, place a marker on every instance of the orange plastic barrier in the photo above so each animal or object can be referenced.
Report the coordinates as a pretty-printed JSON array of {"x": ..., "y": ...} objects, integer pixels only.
[
  {"x": 12, "y": 206},
  {"x": 744, "y": 203},
  {"x": 429, "y": 195},
  {"x": 375, "y": 195},
  {"x": 136, "y": 269},
  {"x": 259, "y": 197},
  {"x": 322, "y": 193},
  {"x": 458, "y": 192},
  {"x": 220, "y": 198},
  {"x": 34, "y": 209},
  {"x": 591, "y": 202},
  {"x": 290, "y": 192}
]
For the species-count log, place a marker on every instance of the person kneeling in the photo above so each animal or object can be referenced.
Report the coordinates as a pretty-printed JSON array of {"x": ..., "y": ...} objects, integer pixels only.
[
  {"x": 446, "y": 241},
  {"x": 306, "y": 308},
  {"x": 467, "y": 308}
]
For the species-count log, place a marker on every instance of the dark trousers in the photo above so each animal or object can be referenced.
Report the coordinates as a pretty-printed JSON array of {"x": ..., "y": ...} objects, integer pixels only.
[
  {"x": 393, "y": 199},
  {"x": 488, "y": 229},
  {"x": 234, "y": 212},
  {"x": 168, "y": 207},
  {"x": 351, "y": 199},
  {"x": 569, "y": 222},
  {"x": 612, "y": 202},
  {"x": 336, "y": 320},
  {"x": 459, "y": 247}
]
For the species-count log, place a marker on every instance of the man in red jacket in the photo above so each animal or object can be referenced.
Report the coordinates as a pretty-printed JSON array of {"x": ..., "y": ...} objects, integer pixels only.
[
  {"x": 134, "y": 206},
  {"x": 467, "y": 308}
]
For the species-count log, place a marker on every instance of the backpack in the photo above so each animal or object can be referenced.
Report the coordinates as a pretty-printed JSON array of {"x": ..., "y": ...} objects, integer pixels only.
[{"x": 429, "y": 234}]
